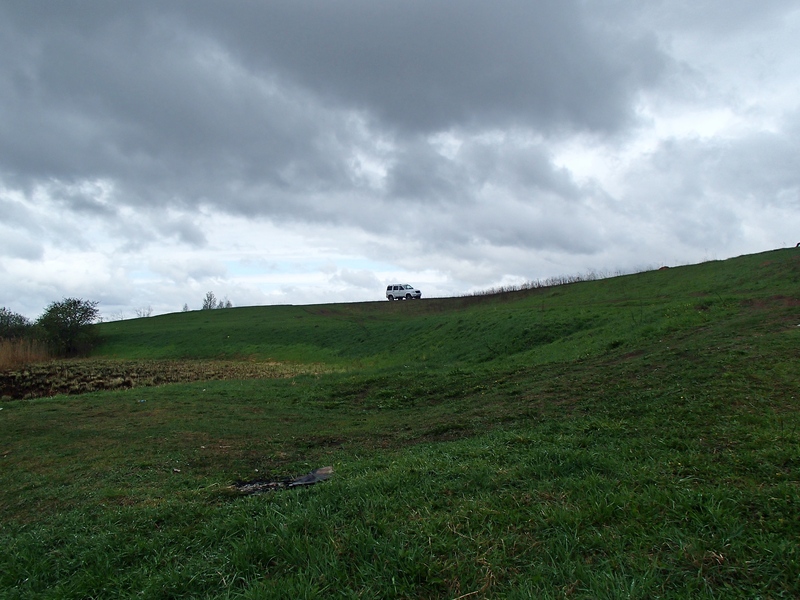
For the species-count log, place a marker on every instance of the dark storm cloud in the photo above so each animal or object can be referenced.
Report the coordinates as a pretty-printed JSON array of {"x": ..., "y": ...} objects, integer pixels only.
[
  {"x": 245, "y": 106},
  {"x": 426, "y": 65},
  {"x": 420, "y": 173},
  {"x": 166, "y": 114}
]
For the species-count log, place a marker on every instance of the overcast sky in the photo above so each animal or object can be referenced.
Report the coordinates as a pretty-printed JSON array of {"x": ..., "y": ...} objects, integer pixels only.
[{"x": 306, "y": 151}]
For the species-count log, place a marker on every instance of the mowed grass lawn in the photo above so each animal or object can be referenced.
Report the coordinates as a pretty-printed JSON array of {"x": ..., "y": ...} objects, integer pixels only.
[{"x": 633, "y": 437}]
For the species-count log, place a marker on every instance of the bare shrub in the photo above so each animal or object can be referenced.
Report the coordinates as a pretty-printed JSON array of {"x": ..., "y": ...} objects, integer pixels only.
[
  {"x": 144, "y": 311},
  {"x": 550, "y": 282},
  {"x": 210, "y": 301}
]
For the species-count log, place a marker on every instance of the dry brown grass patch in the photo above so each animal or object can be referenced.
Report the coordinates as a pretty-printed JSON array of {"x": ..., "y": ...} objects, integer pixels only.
[{"x": 16, "y": 353}]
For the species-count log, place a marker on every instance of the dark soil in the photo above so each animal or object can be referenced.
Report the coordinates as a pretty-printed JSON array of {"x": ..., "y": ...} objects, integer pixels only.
[{"x": 89, "y": 375}]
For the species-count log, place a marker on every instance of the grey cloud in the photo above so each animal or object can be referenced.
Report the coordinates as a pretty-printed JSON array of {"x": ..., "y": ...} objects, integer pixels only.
[
  {"x": 183, "y": 270},
  {"x": 38, "y": 219},
  {"x": 132, "y": 234},
  {"x": 525, "y": 166},
  {"x": 705, "y": 192},
  {"x": 239, "y": 95},
  {"x": 184, "y": 230},
  {"x": 425, "y": 65},
  {"x": 540, "y": 223},
  {"x": 420, "y": 172},
  {"x": 260, "y": 110},
  {"x": 357, "y": 278},
  {"x": 87, "y": 199},
  {"x": 167, "y": 114},
  {"x": 18, "y": 244},
  {"x": 759, "y": 165},
  {"x": 502, "y": 191},
  {"x": 718, "y": 17},
  {"x": 762, "y": 165},
  {"x": 16, "y": 213},
  {"x": 435, "y": 122}
]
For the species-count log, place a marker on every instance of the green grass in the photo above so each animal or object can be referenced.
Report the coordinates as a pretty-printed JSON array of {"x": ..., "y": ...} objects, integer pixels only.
[{"x": 635, "y": 437}]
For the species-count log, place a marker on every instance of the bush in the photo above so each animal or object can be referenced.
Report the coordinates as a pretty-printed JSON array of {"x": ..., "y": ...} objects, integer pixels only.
[
  {"x": 13, "y": 326},
  {"x": 68, "y": 326}
]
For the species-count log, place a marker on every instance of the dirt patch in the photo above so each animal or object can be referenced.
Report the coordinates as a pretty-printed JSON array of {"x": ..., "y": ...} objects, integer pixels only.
[
  {"x": 90, "y": 375},
  {"x": 771, "y": 302}
]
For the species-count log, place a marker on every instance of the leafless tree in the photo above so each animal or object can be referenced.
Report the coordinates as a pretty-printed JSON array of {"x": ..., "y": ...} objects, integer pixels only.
[
  {"x": 210, "y": 301},
  {"x": 144, "y": 311}
]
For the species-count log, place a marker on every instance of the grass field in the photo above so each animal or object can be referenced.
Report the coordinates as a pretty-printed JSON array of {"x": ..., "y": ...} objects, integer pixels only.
[{"x": 632, "y": 437}]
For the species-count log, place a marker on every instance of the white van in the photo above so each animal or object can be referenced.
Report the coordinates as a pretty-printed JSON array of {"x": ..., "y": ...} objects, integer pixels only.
[{"x": 401, "y": 291}]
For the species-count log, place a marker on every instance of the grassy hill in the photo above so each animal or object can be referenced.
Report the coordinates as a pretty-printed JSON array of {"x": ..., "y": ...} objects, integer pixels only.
[{"x": 629, "y": 437}]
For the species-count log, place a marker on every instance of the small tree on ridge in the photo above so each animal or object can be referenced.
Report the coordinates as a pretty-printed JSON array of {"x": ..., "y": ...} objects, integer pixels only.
[{"x": 210, "y": 301}]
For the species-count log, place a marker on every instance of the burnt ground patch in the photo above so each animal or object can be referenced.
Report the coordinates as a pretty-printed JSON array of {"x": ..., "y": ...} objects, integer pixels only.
[{"x": 260, "y": 486}]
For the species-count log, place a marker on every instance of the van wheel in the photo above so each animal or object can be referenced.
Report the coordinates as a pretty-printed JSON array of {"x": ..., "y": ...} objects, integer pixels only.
[
  {"x": 390, "y": 298},
  {"x": 408, "y": 296}
]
